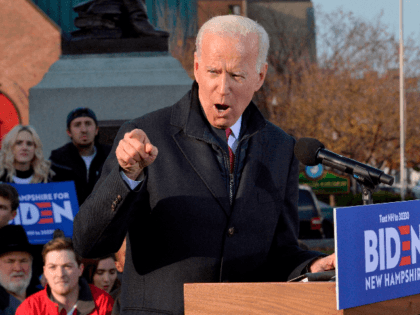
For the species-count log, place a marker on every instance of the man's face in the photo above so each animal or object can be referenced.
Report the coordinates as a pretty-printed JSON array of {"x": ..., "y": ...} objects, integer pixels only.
[
  {"x": 6, "y": 213},
  {"x": 82, "y": 131},
  {"x": 62, "y": 271},
  {"x": 15, "y": 271},
  {"x": 227, "y": 77}
]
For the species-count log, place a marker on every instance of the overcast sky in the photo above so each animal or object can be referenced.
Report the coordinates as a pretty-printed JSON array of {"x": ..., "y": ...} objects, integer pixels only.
[{"x": 370, "y": 9}]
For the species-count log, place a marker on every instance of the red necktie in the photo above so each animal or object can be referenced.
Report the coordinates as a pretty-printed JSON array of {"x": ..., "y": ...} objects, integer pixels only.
[{"x": 231, "y": 155}]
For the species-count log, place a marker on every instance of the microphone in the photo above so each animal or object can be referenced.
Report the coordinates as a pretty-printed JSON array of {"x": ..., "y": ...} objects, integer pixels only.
[{"x": 310, "y": 151}]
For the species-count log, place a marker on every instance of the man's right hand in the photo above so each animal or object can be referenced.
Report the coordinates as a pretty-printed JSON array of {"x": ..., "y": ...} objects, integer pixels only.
[{"x": 135, "y": 152}]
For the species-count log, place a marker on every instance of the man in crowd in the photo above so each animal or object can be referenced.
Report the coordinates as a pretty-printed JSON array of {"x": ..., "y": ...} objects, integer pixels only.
[
  {"x": 80, "y": 160},
  {"x": 9, "y": 202},
  {"x": 66, "y": 291},
  {"x": 15, "y": 268},
  {"x": 219, "y": 201}
]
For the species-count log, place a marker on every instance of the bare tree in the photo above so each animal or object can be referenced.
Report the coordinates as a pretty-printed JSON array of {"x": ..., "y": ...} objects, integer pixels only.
[{"x": 349, "y": 100}]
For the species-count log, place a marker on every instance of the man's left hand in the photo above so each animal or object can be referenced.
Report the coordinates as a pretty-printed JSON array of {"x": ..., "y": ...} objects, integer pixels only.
[{"x": 323, "y": 264}]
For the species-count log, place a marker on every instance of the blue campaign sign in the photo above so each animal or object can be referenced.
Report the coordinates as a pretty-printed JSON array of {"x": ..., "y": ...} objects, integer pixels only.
[
  {"x": 377, "y": 248},
  {"x": 44, "y": 208}
]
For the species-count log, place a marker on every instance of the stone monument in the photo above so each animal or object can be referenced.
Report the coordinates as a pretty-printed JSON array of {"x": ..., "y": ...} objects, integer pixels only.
[{"x": 117, "y": 64}]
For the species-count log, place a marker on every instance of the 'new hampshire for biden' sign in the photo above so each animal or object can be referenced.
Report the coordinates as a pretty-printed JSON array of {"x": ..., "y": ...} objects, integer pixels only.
[
  {"x": 378, "y": 252},
  {"x": 44, "y": 208}
]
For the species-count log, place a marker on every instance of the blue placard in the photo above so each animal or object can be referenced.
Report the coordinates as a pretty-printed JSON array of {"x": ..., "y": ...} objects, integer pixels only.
[
  {"x": 44, "y": 208},
  {"x": 377, "y": 248}
]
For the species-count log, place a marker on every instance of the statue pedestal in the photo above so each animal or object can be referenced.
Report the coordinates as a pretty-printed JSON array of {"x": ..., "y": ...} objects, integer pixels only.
[
  {"x": 117, "y": 87},
  {"x": 123, "y": 45}
]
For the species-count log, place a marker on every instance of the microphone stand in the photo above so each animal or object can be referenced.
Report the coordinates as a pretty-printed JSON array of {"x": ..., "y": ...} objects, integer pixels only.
[
  {"x": 365, "y": 180},
  {"x": 362, "y": 176}
]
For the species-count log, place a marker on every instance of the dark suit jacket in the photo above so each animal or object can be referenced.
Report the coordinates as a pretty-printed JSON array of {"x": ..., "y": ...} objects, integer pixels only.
[{"x": 181, "y": 226}]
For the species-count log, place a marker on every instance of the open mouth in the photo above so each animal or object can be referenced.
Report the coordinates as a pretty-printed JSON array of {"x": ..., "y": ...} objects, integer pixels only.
[{"x": 221, "y": 107}]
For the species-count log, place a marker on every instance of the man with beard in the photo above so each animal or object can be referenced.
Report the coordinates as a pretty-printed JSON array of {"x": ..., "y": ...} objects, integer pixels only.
[
  {"x": 66, "y": 291},
  {"x": 15, "y": 268},
  {"x": 81, "y": 159}
]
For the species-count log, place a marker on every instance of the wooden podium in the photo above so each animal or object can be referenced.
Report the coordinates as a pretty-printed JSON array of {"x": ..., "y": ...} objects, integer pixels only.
[{"x": 282, "y": 298}]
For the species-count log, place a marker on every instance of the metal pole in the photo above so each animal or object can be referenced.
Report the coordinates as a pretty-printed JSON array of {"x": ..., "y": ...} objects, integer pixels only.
[{"x": 402, "y": 108}]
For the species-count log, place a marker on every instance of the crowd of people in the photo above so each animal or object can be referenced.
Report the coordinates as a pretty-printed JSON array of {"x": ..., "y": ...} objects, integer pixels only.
[
  {"x": 205, "y": 190},
  {"x": 27, "y": 270}
]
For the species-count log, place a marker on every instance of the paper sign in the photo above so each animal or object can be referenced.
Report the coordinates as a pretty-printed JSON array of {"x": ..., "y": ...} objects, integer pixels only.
[{"x": 44, "y": 208}]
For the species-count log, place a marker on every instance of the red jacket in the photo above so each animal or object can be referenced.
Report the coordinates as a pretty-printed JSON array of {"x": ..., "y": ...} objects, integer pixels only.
[{"x": 92, "y": 301}]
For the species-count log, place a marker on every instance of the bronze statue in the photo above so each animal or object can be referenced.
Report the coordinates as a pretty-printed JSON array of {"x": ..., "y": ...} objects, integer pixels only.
[{"x": 112, "y": 19}]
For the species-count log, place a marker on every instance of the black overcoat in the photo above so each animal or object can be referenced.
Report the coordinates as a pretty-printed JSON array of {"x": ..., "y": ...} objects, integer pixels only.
[
  {"x": 180, "y": 223},
  {"x": 68, "y": 165}
]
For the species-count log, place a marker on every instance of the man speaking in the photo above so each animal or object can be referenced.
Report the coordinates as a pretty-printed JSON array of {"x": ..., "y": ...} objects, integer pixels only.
[{"x": 206, "y": 190}]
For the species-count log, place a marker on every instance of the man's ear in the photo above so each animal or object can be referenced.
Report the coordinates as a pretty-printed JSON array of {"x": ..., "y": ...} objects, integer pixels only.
[
  {"x": 195, "y": 64},
  {"x": 97, "y": 130},
  {"x": 68, "y": 132},
  {"x": 81, "y": 268},
  {"x": 261, "y": 76},
  {"x": 119, "y": 266},
  {"x": 14, "y": 212}
]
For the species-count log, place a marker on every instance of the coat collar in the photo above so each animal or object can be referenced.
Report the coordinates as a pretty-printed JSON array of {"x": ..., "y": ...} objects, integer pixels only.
[
  {"x": 189, "y": 116},
  {"x": 4, "y": 298},
  {"x": 85, "y": 302}
]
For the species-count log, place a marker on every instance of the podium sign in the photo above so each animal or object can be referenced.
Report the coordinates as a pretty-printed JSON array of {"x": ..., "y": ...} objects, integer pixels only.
[
  {"x": 44, "y": 208},
  {"x": 378, "y": 252}
]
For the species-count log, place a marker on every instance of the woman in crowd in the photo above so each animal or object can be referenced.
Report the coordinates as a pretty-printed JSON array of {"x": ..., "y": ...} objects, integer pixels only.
[
  {"x": 102, "y": 273},
  {"x": 21, "y": 158}
]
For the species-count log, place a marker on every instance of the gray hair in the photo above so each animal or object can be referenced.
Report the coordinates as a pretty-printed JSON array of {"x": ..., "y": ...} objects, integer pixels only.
[{"x": 236, "y": 24}]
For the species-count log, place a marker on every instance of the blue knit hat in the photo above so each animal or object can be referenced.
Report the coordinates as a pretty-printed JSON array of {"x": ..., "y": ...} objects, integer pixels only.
[{"x": 80, "y": 112}]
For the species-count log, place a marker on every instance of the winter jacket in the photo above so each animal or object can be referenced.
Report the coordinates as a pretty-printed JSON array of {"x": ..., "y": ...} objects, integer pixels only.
[
  {"x": 69, "y": 165},
  {"x": 92, "y": 301}
]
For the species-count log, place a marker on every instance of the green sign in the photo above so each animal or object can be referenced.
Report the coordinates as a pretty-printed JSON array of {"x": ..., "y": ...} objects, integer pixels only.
[{"x": 329, "y": 183}]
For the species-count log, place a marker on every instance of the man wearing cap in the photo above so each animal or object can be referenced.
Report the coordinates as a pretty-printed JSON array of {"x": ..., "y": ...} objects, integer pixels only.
[
  {"x": 15, "y": 268},
  {"x": 81, "y": 159}
]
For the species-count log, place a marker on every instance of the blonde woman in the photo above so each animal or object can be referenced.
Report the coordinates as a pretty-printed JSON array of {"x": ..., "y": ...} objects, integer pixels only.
[{"x": 21, "y": 158}]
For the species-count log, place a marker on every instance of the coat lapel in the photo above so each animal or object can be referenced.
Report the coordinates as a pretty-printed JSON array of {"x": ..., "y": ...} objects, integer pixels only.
[
  {"x": 196, "y": 146},
  {"x": 202, "y": 159}
]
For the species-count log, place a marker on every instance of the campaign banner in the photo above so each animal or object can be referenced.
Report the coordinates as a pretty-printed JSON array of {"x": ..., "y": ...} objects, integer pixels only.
[
  {"x": 44, "y": 208},
  {"x": 377, "y": 247}
]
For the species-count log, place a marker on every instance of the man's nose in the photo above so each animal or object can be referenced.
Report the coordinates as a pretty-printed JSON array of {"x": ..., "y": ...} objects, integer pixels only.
[
  {"x": 224, "y": 84},
  {"x": 60, "y": 271},
  {"x": 18, "y": 266}
]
